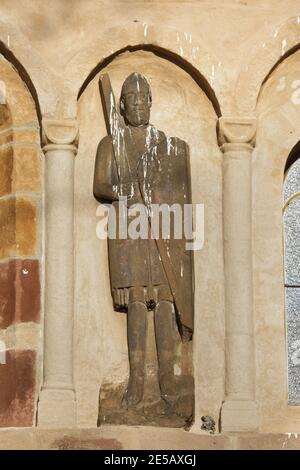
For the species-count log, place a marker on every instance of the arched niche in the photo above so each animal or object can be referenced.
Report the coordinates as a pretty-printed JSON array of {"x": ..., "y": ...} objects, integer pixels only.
[
  {"x": 278, "y": 132},
  {"x": 21, "y": 170},
  {"x": 291, "y": 223},
  {"x": 180, "y": 108},
  {"x": 279, "y": 44}
]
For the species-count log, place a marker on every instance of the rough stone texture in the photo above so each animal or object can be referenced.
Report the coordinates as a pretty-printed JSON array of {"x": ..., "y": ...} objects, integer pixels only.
[
  {"x": 7, "y": 293},
  {"x": 17, "y": 97},
  {"x": 27, "y": 168},
  {"x": 21, "y": 172},
  {"x": 6, "y": 170},
  {"x": 289, "y": 441},
  {"x": 7, "y": 227},
  {"x": 76, "y": 443},
  {"x": 190, "y": 32},
  {"x": 138, "y": 437},
  {"x": 18, "y": 235},
  {"x": 22, "y": 336},
  {"x": 153, "y": 411},
  {"x": 19, "y": 292},
  {"x": 17, "y": 384},
  {"x": 112, "y": 437}
]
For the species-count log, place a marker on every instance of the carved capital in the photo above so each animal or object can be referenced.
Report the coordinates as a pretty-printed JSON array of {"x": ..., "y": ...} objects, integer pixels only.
[
  {"x": 237, "y": 131},
  {"x": 60, "y": 133}
]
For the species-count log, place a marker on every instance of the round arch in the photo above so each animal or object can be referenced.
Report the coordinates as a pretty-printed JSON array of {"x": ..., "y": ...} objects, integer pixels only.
[
  {"x": 11, "y": 58},
  {"x": 173, "y": 45},
  {"x": 282, "y": 42},
  {"x": 31, "y": 67},
  {"x": 167, "y": 55}
]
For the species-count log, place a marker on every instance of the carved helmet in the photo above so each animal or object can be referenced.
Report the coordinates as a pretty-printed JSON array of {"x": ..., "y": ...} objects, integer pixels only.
[{"x": 138, "y": 81}]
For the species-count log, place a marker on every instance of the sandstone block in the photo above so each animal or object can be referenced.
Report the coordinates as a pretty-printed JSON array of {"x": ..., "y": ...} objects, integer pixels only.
[
  {"x": 17, "y": 385},
  {"x": 19, "y": 292},
  {"x": 17, "y": 227}
]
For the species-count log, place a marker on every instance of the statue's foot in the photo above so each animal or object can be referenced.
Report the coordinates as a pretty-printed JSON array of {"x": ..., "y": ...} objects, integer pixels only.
[
  {"x": 134, "y": 393},
  {"x": 168, "y": 388}
]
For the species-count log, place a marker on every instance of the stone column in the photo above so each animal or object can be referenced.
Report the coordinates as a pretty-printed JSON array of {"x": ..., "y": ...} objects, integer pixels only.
[
  {"x": 237, "y": 139},
  {"x": 56, "y": 405}
]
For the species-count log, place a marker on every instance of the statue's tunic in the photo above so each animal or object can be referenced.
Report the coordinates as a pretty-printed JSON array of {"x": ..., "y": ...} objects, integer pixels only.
[{"x": 155, "y": 170}]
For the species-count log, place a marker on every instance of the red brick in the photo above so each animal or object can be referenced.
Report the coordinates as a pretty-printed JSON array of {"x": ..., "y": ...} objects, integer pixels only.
[
  {"x": 17, "y": 389},
  {"x": 19, "y": 292},
  {"x": 7, "y": 293}
]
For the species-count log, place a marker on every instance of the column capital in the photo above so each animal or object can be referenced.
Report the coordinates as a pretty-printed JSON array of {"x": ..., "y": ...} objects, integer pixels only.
[
  {"x": 236, "y": 132},
  {"x": 60, "y": 134}
]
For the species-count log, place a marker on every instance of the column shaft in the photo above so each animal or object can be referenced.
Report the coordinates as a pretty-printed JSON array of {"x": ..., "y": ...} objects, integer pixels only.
[
  {"x": 238, "y": 273},
  {"x": 239, "y": 411},
  {"x": 56, "y": 405},
  {"x": 58, "y": 369}
]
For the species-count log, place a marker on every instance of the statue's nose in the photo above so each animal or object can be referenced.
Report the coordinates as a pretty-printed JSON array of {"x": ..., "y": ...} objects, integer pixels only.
[{"x": 137, "y": 100}]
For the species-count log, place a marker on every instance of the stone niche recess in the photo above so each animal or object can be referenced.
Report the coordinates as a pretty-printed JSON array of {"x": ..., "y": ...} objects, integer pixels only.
[
  {"x": 180, "y": 108},
  {"x": 278, "y": 133}
]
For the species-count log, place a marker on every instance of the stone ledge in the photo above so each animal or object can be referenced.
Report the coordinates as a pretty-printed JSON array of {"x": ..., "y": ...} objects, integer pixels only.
[{"x": 140, "y": 437}]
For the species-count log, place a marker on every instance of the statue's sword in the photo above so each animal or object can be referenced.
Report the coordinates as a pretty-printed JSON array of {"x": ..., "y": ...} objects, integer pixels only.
[{"x": 115, "y": 128}]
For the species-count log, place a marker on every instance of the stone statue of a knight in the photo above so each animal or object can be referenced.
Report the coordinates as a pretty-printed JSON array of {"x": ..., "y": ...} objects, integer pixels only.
[{"x": 138, "y": 162}]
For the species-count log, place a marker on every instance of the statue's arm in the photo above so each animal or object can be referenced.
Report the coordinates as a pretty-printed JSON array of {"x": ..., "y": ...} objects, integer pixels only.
[{"x": 105, "y": 174}]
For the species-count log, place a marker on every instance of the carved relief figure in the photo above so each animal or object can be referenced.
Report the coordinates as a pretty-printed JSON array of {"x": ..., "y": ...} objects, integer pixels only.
[{"x": 138, "y": 162}]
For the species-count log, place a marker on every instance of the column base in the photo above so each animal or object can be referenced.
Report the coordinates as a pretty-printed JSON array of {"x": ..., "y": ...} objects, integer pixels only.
[
  {"x": 56, "y": 408},
  {"x": 239, "y": 416}
]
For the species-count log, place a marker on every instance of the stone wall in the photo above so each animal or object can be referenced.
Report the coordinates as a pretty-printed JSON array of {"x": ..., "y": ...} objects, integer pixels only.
[
  {"x": 223, "y": 76},
  {"x": 21, "y": 250}
]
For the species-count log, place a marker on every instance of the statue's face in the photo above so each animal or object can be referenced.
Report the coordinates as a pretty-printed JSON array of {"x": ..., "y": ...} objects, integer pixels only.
[{"x": 136, "y": 103}]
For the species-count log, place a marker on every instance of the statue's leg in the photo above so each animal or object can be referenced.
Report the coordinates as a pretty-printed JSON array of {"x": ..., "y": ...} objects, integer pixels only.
[
  {"x": 165, "y": 344},
  {"x": 136, "y": 336}
]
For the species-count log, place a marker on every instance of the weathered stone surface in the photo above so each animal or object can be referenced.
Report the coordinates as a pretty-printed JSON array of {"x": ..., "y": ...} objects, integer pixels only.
[
  {"x": 77, "y": 443},
  {"x": 5, "y": 118},
  {"x": 26, "y": 228},
  {"x": 17, "y": 385},
  {"x": 112, "y": 437},
  {"x": 6, "y": 169},
  {"x": 7, "y": 293},
  {"x": 287, "y": 441},
  {"x": 26, "y": 135},
  {"x": 139, "y": 437},
  {"x": 6, "y": 136},
  {"x": 27, "y": 169},
  {"x": 19, "y": 292},
  {"x": 152, "y": 410},
  {"x": 7, "y": 227},
  {"x": 18, "y": 230},
  {"x": 22, "y": 336},
  {"x": 27, "y": 290},
  {"x": 18, "y": 98}
]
